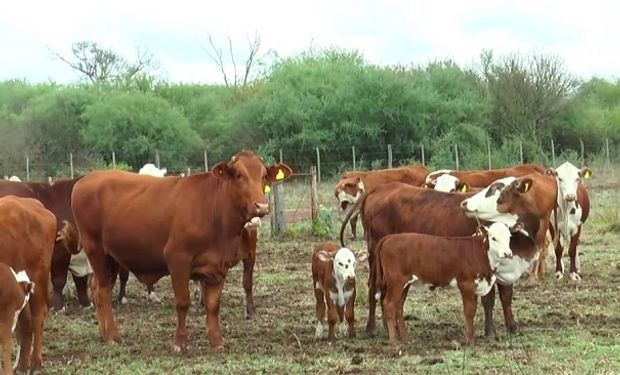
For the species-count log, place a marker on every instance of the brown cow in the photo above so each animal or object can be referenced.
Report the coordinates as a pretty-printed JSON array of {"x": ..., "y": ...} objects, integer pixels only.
[
  {"x": 26, "y": 244},
  {"x": 354, "y": 184},
  {"x": 483, "y": 177},
  {"x": 187, "y": 227},
  {"x": 15, "y": 290},
  {"x": 56, "y": 197},
  {"x": 333, "y": 279},
  {"x": 396, "y": 208},
  {"x": 573, "y": 204},
  {"x": 469, "y": 262}
]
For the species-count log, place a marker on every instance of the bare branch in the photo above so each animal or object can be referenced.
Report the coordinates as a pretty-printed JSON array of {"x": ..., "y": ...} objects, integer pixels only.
[
  {"x": 216, "y": 55},
  {"x": 232, "y": 58},
  {"x": 254, "y": 47}
]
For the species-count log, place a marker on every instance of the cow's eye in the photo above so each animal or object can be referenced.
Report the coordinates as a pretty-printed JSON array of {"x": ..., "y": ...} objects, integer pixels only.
[
  {"x": 493, "y": 238},
  {"x": 560, "y": 179},
  {"x": 340, "y": 264},
  {"x": 238, "y": 175}
]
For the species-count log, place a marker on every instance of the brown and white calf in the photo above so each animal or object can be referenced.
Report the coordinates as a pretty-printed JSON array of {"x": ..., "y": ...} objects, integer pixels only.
[
  {"x": 573, "y": 209},
  {"x": 15, "y": 289},
  {"x": 466, "y": 262},
  {"x": 333, "y": 278}
]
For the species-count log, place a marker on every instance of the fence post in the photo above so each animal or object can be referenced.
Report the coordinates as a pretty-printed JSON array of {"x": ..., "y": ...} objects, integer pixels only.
[
  {"x": 204, "y": 154},
  {"x": 27, "y": 167},
  {"x": 389, "y": 155},
  {"x": 583, "y": 158},
  {"x": 489, "y": 152},
  {"x": 71, "y": 163},
  {"x": 157, "y": 158},
  {"x": 189, "y": 171},
  {"x": 456, "y": 156},
  {"x": 280, "y": 156},
  {"x": 314, "y": 195},
  {"x": 607, "y": 149},
  {"x": 423, "y": 159},
  {"x": 113, "y": 160},
  {"x": 353, "y": 152},
  {"x": 521, "y": 150},
  {"x": 278, "y": 209},
  {"x": 553, "y": 152},
  {"x": 318, "y": 165}
]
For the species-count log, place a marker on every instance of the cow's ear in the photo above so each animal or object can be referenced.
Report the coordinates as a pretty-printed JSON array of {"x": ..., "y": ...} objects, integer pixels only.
[
  {"x": 551, "y": 172},
  {"x": 222, "y": 170},
  {"x": 28, "y": 287},
  {"x": 525, "y": 185},
  {"x": 279, "y": 172},
  {"x": 462, "y": 187},
  {"x": 362, "y": 255},
  {"x": 325, "y": 256},
  {"x": 586, "y": 172}
]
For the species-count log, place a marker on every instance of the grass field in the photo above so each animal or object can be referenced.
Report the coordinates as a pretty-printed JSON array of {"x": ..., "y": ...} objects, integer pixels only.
[{"x": 565, "y": 327}]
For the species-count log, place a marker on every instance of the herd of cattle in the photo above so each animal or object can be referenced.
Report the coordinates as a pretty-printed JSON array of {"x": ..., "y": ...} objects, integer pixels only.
[{"x": 467, "y": 229}]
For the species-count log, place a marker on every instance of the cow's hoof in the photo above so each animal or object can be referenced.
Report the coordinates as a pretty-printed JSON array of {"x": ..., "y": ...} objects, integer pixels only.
[
  {"x": 575, "y": 276},
  {"x": 179, "y": 348},
  {"x": 124, "y": 301},
  {"x": 558, "y": 275}
]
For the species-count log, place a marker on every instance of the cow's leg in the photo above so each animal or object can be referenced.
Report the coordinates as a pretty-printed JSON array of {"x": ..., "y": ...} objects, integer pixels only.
[
  {"x": 179, "y": 267},
  {"x": 574, "y": 257},
  {"x": 81, "y": 288},
  {"x": 7, "y": 346},
  {"x": 350, "y": 314},
  {"x": 389, "y": 305},
  {"x": 212, "y": 296},
  {"x": 541, "y": 242},
  {"x": 469, "y": 309},
  {"x": 371, "y": 327},
  {"x": 400, "y": 315},
  {"x": 38, "y": 308},
  {"x": 559, "y": 264},
  {"x": 488, "y": 303},
  {"x": 59, "y": 270},
  {"x": 319, "y": 310},
  {"x": 353, "y": 222},
  {"x": 341, "y": 328},
  {"x": 24, "y": 339},
  {"x": 332, "y": 319},
  {"x": 505, "y": 296},
  {"x": 104, "y": 267},
  {"x": 248, "y": 274},
  {"x": 123, "y": 276}
]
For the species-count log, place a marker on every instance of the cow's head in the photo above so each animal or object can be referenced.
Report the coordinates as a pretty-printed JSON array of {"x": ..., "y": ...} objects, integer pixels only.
[
  {"x": 450, "y": 184},
  {"x": 249, "y": 179},
  {"x": 348, "y": 190},
  {"x": 69, "y": 237},
  {"x": 498, "y": 236},
  {"x": 568, "y": 178},
  {"x": 344, "y": 262},
  {"x": 504, "y": 201}
]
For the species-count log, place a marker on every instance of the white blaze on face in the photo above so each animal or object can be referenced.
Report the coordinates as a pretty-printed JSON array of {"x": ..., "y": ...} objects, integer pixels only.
[
  {"x": 151, "y": 170},
  {"x": 21, "y": 276},
  {"x": 568, "y": 178},
  {"x": 344, "y": 263},
  {"x": 432, "y": 177},
  {"x": 483, "y": 286},
  {"x": 485, "y": 207},
  {"x": 446, "y": 183},
  {"x": 498, "y": 236},
  {"x": 343, "y": 196}
]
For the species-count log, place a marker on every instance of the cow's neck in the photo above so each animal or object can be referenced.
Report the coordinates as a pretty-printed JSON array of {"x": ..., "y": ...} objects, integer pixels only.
[
  {"x": 339, "y": 286},
  {"x": 233, "y": 221}
]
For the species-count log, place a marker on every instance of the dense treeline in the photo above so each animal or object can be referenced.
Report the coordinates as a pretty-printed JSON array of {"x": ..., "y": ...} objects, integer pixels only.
[{"x": 330, "y": 99}]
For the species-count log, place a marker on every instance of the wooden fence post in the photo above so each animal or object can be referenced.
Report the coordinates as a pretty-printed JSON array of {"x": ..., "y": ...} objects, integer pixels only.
[
  {"x": 278, "y": 209},
  {"x": 521, "y": 150},
  {"x": 71, "y": 163},
  {"x": 280, "y": 156},
  {"x": 27, "y": 167},
  {"x": 456, "y": 156},
  {"x": 318, "y": 165},
  {"x": 423, "y": 159},
  {"x": 353, "y": 152},
  {"x": 204, "y": 154},
  {"x": 489, "y": 152},
  {"x": 157, "y": 158},
  {"x": 389, "y": 147},
  {"x": 583, "y": 158},
  {"x": 553, "y": 152},
  {"x": 113, "y": 160},
  {"x": 607, "y": 149},
  {"x": 314, "y": 195}
]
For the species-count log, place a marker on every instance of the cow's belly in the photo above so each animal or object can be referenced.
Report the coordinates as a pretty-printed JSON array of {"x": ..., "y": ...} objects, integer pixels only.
[{"x": 138, "y": 259}]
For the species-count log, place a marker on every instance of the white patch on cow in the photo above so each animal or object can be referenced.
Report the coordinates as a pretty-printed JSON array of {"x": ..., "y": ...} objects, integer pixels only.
[
  {"x": 569, "y": 215},
  {"x": 79, "y": 265},
  {"x": 483, "y": 286},
  {"x": 575, "y": 276},
  {"x": 342, "y": 296},
  {"x": 15, "y": 179},
  {"x": 21, "y": 277},
  {"x": 432, "y": 177},
  {"x": 413, "y": 279},
  {"x": 485, "y": 208},
  {"x": 498, "y": 236},
  {"x": 343, "y": 196},
  {"x": 255, "y": 222},
  {"x": 318, "y": 332},
  {"x": 151, "y": 170},
  {"x": 509, "y": 271},
  {"x": 124, "y": 300},
  {"x": 446, "y": 183},
  {"x": 317, "y": 285},
  {"x": 453, "y": 283}
]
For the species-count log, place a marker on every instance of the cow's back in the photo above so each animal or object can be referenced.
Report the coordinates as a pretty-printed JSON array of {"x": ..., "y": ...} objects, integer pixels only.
[
  {"x": 412, "y": 175},
  {"x": 483, "y": 178}
]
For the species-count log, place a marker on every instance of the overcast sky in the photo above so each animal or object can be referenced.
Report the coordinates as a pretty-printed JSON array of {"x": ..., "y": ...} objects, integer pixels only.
[{"x": 585, "y": 34}]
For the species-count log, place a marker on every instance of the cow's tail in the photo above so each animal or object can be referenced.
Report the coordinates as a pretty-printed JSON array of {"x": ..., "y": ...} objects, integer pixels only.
[
  {"x": 378, "y": 276},
  {"x": 353, "y": 209}
]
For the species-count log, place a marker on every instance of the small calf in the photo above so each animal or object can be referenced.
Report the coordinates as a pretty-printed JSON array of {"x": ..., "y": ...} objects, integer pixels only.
[
  {"x": 15, "y": 289},
  {"x": 333, "y": 277},
  {"x": 467, "y": 262}
]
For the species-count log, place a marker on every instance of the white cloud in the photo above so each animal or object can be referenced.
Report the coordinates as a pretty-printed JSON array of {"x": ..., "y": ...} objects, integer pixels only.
[{"x": 387, "y": 32}]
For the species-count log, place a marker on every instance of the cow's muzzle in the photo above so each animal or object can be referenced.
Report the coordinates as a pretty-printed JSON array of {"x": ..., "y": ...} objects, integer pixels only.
[{"x": 262, "y": 209}]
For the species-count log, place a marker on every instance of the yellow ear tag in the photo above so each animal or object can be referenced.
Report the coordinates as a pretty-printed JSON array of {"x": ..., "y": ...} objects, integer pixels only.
[
  {"x": 280, "y": 175},
  {"x": 527, "y": 186},
  {"x": 267, "y": 189},
  {"x": 464, "y": 188},
  {"x": 586, "y": 175}
]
